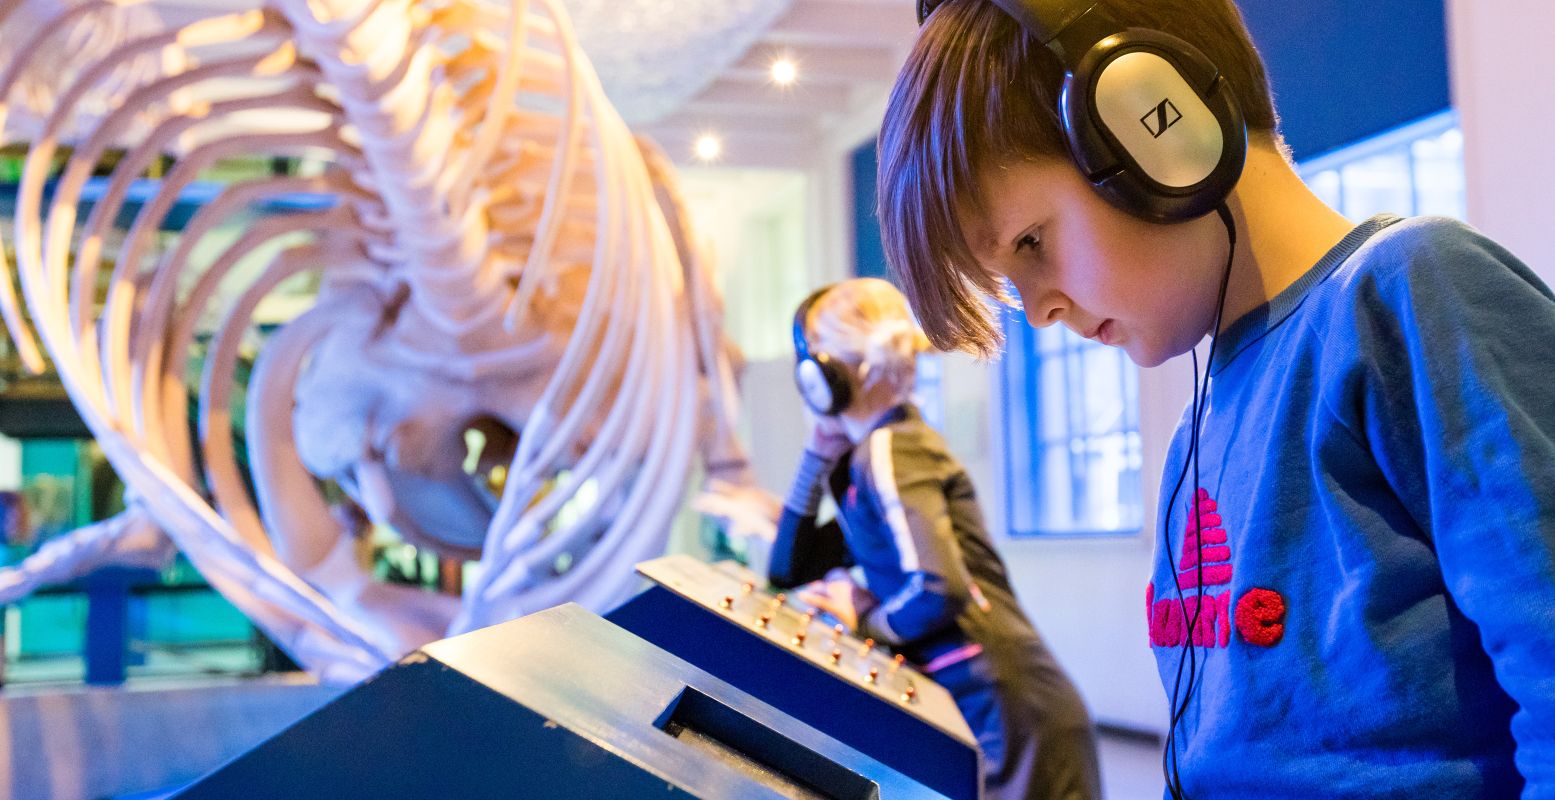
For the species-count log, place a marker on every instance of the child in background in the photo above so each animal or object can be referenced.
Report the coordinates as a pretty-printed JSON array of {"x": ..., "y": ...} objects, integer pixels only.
[{"x": 934, "y": 588}]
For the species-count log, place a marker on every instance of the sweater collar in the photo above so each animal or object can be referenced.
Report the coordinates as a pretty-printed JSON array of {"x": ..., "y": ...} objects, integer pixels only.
[{"x": 1256, "y": 324}]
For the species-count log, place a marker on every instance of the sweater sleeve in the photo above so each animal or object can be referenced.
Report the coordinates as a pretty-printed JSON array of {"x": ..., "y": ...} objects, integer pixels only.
[
  {"x": 1458, "y": 351},
  {"x": 905, "y": 480},
  {"x": 804, "y": 549}
]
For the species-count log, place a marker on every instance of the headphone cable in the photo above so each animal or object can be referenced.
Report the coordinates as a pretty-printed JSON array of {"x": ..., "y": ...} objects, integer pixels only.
[{"x": 1189, "y": 656}]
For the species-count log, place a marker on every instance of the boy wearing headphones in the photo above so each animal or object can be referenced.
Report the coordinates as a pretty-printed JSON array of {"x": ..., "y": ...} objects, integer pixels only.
[
  {"x": 908, "y": 519},
  {"x": 1354, "y": 594}
]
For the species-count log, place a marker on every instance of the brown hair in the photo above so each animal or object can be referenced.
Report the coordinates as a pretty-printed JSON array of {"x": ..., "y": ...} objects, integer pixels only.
[{"x": 976, "y": 90}]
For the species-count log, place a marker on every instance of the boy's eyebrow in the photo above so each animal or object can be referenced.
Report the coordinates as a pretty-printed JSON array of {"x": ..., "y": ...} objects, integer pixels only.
[
  {"x": 991, "y": 237},
  {"x": 983, "y": 240}
]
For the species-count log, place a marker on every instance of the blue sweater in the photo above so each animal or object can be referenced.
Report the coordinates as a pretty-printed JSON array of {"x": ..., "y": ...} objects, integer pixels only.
[{"x": 1375, "y": 546}]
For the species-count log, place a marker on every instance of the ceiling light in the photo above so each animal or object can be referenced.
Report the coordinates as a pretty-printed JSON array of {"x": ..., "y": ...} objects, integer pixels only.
[
  {"x": 784, "y": 71},
  {"x": 708, "y": 147}
]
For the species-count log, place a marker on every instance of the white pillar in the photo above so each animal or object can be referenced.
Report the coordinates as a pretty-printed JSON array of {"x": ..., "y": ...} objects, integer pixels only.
[
  {"x": 1503, "y": 84},
  {"x": 10, "y": 464}
]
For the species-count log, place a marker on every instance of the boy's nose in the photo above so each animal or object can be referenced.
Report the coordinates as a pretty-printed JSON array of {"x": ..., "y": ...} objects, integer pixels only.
[{"x": 1050, "y": 308}]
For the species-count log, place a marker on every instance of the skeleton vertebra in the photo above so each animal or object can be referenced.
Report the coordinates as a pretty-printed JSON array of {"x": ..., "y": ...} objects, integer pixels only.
[{"x": 500, "y": 255}]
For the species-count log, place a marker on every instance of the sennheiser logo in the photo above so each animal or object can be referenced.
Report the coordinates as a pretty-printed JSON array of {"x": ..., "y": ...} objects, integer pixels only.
[{"x": 1159, "y": 119}]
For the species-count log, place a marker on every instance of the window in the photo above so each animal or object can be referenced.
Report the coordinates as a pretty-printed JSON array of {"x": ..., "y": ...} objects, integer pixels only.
[
  {"x": 1071, "y": 431},
  {"x": 1416, "y": 169}
]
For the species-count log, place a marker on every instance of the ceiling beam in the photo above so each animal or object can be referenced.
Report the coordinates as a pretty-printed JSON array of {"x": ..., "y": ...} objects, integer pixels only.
[
  {"x": 759, "y": 98},
  {"x": 744, "y": 125},
  {"x": 845, "y": 23},
  {"x": 761, "y": 153}
]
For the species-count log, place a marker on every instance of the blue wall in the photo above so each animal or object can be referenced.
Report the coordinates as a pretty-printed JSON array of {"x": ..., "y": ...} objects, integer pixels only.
[
  {"x": 1343, "y": 70},
  {"x": 868, "y": 253}
]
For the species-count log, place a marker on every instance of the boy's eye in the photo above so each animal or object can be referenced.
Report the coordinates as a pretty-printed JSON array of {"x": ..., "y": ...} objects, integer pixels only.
[{"x": 1029, "y": 241}]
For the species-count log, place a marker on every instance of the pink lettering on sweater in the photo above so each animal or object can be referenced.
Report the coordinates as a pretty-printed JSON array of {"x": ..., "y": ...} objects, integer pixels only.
[
  {"x": 1204, "y": 559},
  {"x": 1201, "y": 617}
]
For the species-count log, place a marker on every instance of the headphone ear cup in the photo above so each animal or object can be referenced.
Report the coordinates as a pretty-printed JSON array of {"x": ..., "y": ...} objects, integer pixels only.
[
  {"x": 822, "y": 386},
  {"x": 1153, "y": 126},
  {"x": 813, "y": 388},
  {"x": 837, "y": 381}
]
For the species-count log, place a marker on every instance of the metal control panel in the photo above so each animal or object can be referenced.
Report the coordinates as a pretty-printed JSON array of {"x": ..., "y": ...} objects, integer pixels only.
[
  {"x": 737, "y": 594},
  {"x": 558, "y": 704}
]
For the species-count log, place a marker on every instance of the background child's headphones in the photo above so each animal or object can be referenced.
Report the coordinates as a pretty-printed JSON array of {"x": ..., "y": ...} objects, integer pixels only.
[
  {"x": 823, "y": 382},
  {"x": 1149, "y": 120}
]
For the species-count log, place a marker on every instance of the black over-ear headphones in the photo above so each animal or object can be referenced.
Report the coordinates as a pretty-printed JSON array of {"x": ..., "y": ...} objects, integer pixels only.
[
  {"x": 1150, "y": 121},
  {"x": 823, "y": 383}
]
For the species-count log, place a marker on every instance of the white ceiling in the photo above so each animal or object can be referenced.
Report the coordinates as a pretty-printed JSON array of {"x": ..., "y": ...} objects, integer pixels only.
[
  {"x": 654, "y": 55},
  {"x": 847, "y": 52},
  {"x": 680, "y": 68}
]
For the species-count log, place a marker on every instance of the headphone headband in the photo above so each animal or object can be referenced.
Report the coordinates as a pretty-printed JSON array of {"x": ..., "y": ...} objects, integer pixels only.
[
  {"x": 801, "y": 337},
  {"x": 1046, "y": 21}
]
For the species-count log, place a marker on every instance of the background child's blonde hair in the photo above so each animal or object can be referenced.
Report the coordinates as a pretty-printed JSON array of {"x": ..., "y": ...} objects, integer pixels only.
[{"x": 865, "y": 323}]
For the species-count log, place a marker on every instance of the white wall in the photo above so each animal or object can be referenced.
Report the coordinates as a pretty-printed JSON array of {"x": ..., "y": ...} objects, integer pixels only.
[
  {"x": 753, "y": 226},
  {"x": 760, "y": 227},
  {"x": 1503, "y": 89}
]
